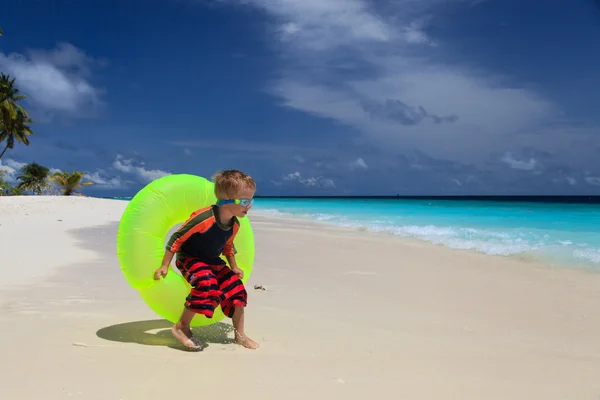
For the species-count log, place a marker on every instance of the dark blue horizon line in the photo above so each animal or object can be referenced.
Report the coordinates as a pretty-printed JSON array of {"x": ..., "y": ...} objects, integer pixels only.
[
  {"x": 579, "y": 199},
  {"x": 513, "y": 198}
]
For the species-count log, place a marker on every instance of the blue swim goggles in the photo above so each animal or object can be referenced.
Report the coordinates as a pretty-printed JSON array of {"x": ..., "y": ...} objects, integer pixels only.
[{"x": 241, "y": 202}]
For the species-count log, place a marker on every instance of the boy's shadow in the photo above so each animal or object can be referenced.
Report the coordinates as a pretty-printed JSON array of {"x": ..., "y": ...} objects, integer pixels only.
[{"x": 139, "y": 332}]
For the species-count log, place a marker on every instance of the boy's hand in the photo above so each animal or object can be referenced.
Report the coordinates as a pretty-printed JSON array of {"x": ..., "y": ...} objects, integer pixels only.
[
  {"x": 161, "y": 272},
  {"x": 238, "y": 272}
]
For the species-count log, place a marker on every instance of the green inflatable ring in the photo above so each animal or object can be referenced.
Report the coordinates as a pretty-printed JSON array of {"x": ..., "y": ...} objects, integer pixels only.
[{"x": 143, "y": 231}]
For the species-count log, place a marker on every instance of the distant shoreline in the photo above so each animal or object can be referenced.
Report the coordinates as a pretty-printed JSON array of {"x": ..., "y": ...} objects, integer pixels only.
[
  {"x": 564, "y": 199},
  {"x": 508, "y": 198}
]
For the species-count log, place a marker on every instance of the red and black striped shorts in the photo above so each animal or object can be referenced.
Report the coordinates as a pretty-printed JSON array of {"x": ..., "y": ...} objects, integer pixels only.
[{"x": 211, "y": 285}]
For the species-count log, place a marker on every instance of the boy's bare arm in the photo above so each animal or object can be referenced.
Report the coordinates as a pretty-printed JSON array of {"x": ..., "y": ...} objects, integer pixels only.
[
  {"x": 231, "y": 261},
  {"x": 233, "y": 265},
  {"x": 163, "y": 270},
  {"x": 166, "y": 261}
]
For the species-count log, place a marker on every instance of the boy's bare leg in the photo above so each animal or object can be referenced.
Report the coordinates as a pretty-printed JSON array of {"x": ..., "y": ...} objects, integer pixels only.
[
  {"x": 182, "y": 331},
  {"x": 238, "y": 325}
]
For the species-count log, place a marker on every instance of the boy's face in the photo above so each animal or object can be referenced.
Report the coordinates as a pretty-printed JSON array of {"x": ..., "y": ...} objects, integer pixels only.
[{"x": 240, "y": 210}]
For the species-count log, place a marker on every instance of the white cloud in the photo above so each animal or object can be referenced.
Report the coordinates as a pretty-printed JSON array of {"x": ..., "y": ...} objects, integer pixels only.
[
  {"x": 375, "y": 67},
  {"x": 565, "y": 179},
  {"x": 145, "y": 175},
  {"x": 57, "y": 80},
  {"x": 359, "y": 163},
  {"x": 319, "y": 25},
  {"x": 593, "y": 180},
  {"x": 315, "y": 181},
  {"x": 112, "y": 180},
  {"x": 11, "y": 169},
  {"x": 525, "y": 165},
  {"x": 103, "y": 180},
  {"x": 299, "y": 159},
  {"x": 414, "y": 34}
]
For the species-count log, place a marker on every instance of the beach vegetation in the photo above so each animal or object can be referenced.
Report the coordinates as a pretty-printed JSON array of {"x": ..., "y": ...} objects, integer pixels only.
[
  {"x": 4, "y": 184},
  {"x": 14, "y": 119},
  {"x": 15, "y": 128},
  {"x": 6, "y": 189},
  {"x": 69, "y": 182},
  {"x": 34, "y": 177},
  {"x": 38, "y": 179}
]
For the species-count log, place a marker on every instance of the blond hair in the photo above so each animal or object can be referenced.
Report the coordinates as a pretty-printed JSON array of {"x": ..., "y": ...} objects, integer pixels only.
[{"x": 229, "y": 182}]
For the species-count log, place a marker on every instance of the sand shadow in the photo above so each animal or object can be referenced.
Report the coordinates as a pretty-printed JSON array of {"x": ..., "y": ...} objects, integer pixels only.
[
  {"x": 156, "y": 332},
  {"x": 140, "y": 332}
]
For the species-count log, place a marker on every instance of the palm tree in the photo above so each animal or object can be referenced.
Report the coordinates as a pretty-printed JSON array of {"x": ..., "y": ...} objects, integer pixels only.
[
  {"x": 9, "y": 96},
  {"x": 13, "y": 117},
  {"x": 15, "y": 129},
  {"x": 69, "y": 182},
  {"x": 6, "y": 189},
  {"x": 4, "y": 186},
  {"x": 34, "y": 177}
]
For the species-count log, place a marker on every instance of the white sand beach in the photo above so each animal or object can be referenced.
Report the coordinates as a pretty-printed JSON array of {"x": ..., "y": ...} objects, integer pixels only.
[{"x": 372, "y": 316}]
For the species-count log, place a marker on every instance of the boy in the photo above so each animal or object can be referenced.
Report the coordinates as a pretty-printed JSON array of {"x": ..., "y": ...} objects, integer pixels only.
[{"x": 198, "y": 243}]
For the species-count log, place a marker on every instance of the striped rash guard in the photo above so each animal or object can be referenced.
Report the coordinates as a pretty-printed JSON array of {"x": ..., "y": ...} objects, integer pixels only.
[{"x": 203, "y": 237}]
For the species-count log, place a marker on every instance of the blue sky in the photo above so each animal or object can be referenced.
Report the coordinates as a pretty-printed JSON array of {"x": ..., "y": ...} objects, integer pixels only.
[{"x": 313, "y": 97}]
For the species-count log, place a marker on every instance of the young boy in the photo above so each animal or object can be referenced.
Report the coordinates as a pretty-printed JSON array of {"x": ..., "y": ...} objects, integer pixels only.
[{"x": 198, "y": 243}]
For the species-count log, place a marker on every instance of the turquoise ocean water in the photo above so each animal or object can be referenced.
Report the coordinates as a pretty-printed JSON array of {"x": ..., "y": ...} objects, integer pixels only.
[
  {"x": 559, "y": 233},
  {"x": 565, "y": 234}
]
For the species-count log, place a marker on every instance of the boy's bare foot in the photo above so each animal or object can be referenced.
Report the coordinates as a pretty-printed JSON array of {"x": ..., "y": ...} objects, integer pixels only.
[
  {"x": 246, "y": 342},
  {"x": 186, "y": 337}
]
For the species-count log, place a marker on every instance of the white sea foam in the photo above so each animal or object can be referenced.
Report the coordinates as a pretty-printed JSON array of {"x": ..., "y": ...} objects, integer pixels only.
[
  {"x": 268, "y": 211},
  {"x": 589, "y": 255},
  {"x": 500, "y": 241}
]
